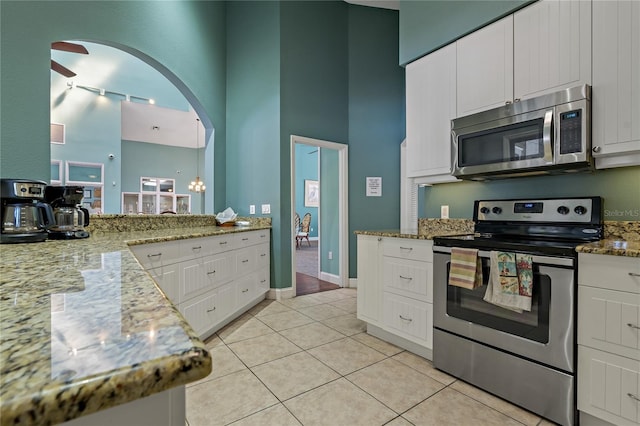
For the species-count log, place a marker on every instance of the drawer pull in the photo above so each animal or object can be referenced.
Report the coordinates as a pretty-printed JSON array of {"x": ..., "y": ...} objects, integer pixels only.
[
  {"x": 196, "y": 248},
  {"x": 245, "y": 239},
  {"x": 245, "y": 290},
  {"x": 633, "y": 326},
  {"x": 263, "y": 281},
  {"x": 154, "y": 255},
  {"x": 633, "y": 274},
  {"x": 406, "y": 278},
  {"x": 212, "y": 309},
  {"x": 406, "y": 248},
  {"x": 263, "y": 255},
  {"x": 405, "y": 319},
  {"x": 222, "y": 243},
  {"x": 211, "y": 272},
  {"x": 632, "y": 396},
  {"x": 245, "y": 261}
]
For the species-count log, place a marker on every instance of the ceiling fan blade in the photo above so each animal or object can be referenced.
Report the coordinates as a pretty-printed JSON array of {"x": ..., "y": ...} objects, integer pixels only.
[
  {"x": 69, "y": 47},
  {"x": 62, "y": 69}
]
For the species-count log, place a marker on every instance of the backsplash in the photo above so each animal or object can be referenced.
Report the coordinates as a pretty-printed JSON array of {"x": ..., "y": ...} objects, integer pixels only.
[{"x": 124, "y": 222}]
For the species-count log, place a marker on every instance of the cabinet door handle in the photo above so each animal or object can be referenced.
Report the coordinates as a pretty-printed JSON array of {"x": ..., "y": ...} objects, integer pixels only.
[
  {"x": 245, "y": 261},
  {"x": 211, "y": 272},
  {"x": 263, "y": 255},
  {"x": 154, "y": 255},
  {"x": 633, "y": 274},
  {"x": 406, "y": 319},
  {"x": 406, "y": 248},
  {"x": 632, "y": 396},
  {"x": 596, "y": 149},
  {"x": 507, "y": 102},
  {"x": 222, "y": 243},
  {"x": 263, "y": 281},
  {"x": 211, "y": 309},
  {"x": 245, "y": 290},
  {"x": 379, "y": 238},
  {"x": 406, "y": 278},
  {"x": 516, "y": 100},
  {"x": 196, "y": 248},
  {"x": 633, "y": 326}
]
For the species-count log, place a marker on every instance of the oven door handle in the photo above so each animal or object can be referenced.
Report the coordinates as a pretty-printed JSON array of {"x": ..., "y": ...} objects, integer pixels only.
[{"x": 544, "y": 260}]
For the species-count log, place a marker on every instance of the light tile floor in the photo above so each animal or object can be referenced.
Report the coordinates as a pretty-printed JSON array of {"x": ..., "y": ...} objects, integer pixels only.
[{"x": 309, "y": 361}]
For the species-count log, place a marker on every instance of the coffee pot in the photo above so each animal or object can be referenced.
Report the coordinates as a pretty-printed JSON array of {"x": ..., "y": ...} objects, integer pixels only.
[
  {"x": 70, "y": 218},
  {"x": 25, "y": 216}
]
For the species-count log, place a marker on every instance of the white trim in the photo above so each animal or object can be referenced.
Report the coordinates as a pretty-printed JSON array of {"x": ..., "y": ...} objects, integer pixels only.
[
  {"x": 343, "y": 204},
  {"x": 281, "y": 293},
  {"x": 331, "y": 278}
]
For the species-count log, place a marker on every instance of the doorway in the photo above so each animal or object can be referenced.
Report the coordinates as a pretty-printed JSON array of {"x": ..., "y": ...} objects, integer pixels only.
[{"x": 323, "y": 251}]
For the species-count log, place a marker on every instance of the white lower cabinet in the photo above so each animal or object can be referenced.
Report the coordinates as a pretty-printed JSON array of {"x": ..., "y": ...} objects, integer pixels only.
[
  {"x": 609, "y": 338},
  {"x": 395, "y": 290},
  {"x": 213, "y": 279}
]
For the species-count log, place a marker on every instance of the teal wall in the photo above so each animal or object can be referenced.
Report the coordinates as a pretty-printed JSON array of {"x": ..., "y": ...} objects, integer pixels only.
[
  {"x": 376, "y": 121},
  {"x": 162, "y": 161},
  {"x": 307, "y": 163},
  {"x": 620, "y": 189},
  {"x": 330, "y": 229},
  {"x": 155, "y": 31},
  {"x": 314, "y": 89},
  {"x": 427, "y": 25}
]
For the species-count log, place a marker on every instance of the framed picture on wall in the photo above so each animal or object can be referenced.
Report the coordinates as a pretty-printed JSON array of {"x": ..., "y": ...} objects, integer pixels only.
[{"x": 311, "y": 193}]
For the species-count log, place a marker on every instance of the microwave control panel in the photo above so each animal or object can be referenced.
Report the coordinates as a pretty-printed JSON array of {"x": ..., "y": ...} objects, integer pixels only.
[{"x": 571, "y": 132}]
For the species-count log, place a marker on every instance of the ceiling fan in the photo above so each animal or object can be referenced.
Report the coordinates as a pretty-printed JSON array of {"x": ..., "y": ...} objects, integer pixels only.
[{"x": 66, "y": 47}]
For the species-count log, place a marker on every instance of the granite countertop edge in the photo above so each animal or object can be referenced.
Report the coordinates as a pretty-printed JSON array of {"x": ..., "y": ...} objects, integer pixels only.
[{"x": 50, "y": 400}]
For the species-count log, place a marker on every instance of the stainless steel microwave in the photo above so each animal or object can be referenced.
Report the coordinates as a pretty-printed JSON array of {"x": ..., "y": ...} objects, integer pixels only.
[{"x": 549, "y": 134}]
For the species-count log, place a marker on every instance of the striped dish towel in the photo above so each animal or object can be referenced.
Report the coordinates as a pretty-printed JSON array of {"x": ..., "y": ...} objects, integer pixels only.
[{"x": 466, "y": 269}]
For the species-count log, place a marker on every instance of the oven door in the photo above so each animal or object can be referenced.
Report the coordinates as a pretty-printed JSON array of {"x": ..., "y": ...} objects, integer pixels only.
[{"x": 544, "y": 335}]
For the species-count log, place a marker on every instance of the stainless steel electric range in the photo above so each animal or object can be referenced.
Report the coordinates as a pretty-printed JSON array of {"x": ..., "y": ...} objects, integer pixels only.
[{"x": 526, "y": 357}]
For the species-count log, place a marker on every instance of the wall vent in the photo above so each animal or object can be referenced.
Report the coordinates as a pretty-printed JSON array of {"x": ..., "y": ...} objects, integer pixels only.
[{"x": 57, "y": 133}]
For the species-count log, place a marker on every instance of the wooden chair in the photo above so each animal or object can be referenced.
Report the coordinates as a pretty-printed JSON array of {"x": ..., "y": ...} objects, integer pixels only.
[{"x": 302, "y": 228}]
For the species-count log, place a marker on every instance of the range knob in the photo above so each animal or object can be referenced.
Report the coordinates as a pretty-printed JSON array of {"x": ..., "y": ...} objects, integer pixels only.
[
  {"x": 580, "y": 210},
  {"x": 563, "y": 210},
  {"x": 484, "y": 210},
  {"x": 497, "y": 210}
]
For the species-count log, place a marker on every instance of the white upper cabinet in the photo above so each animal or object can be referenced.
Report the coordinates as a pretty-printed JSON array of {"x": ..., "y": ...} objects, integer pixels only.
[
  {"x": 485, "y": 68},
  {"x": 552, "y": 47},
  {"x": 431, "y": 104},
  {"x": 616, "y": 83}
]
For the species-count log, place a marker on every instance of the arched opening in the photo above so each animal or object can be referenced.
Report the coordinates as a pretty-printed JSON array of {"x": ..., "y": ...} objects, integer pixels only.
[{"x": 126, "y": 126}]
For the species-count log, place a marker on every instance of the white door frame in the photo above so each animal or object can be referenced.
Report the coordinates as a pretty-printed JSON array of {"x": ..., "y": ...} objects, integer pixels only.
[{"x": 343, "y": 205}]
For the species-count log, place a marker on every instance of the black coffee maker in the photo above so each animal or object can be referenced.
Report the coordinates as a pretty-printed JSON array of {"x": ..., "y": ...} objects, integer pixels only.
[
  {"x": 25, "y": 215},
  {"x": 70, "y": 218}
]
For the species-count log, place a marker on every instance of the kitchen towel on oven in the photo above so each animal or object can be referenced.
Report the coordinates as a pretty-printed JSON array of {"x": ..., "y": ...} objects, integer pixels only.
[
  {"x": 466, "y": 268},
  {"x": 510, "y": 281}
]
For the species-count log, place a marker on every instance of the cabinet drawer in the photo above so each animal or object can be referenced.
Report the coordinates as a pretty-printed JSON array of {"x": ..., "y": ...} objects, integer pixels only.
[
  {"x": 253, "y": 237},
  {"x": 262, "y": 255},
  {"x": 207, "y": 311},
  {"x": 157, "y": 254},
  {"x": 247, "y": 288},
  {"x": 609, "y": 320},
  {"x": 408, "y": 249},
  {"x": 410, "y": 318},
  {"x": 264, "y": 280},
  {"x": 407, "y": 277},
  {"x": 608, "y": 385},
  {"x": 613, "y": 272},
  {"x": 246, "y": 260}
]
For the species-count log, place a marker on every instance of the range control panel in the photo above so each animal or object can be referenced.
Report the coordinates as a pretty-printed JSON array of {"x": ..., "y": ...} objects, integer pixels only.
[{"x": 557, "y": 210}]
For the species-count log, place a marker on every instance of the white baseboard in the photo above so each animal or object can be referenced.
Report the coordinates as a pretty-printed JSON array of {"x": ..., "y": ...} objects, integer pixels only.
[
  {"x": 330, "y": 278},
  {"x": 353, "y": 283},
  {"x": 281, "y": 293}
]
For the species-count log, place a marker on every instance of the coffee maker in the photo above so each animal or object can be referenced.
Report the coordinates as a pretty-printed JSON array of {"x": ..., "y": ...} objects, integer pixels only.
[
  {"x": 25, "y": 215},
  {"x": 69, "y": 218}
]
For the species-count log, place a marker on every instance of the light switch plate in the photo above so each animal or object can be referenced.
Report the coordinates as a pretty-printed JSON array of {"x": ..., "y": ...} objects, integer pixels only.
[
  {"x": 252, "y": 209},
  {"x": 266, "y": 208},
  {"x": 444, "y": 212}
]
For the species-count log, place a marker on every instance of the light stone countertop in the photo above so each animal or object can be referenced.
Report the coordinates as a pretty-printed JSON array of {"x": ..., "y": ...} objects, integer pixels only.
[
  {"x": 612, "y": 247},
  {"x": 85, "y": 328}
]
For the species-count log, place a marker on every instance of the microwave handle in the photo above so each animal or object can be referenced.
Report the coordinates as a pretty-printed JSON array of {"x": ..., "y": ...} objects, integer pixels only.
[{"x": 547, "y": 132}]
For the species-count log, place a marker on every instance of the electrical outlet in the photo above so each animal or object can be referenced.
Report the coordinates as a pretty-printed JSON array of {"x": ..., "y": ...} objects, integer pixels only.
[
  {"x": 252, "y": 209},
  {"x": 330, "y": 255},
  {"x": 266, "y": 208},
  {"x": 444, "y": 212}
]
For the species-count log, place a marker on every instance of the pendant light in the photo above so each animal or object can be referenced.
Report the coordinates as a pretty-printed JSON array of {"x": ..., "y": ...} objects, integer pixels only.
[{"x": 197, "y": 185}]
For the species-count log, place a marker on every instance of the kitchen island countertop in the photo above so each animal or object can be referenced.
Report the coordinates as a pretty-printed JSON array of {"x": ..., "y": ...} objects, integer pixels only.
[{"x": 85, "y": 328}]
